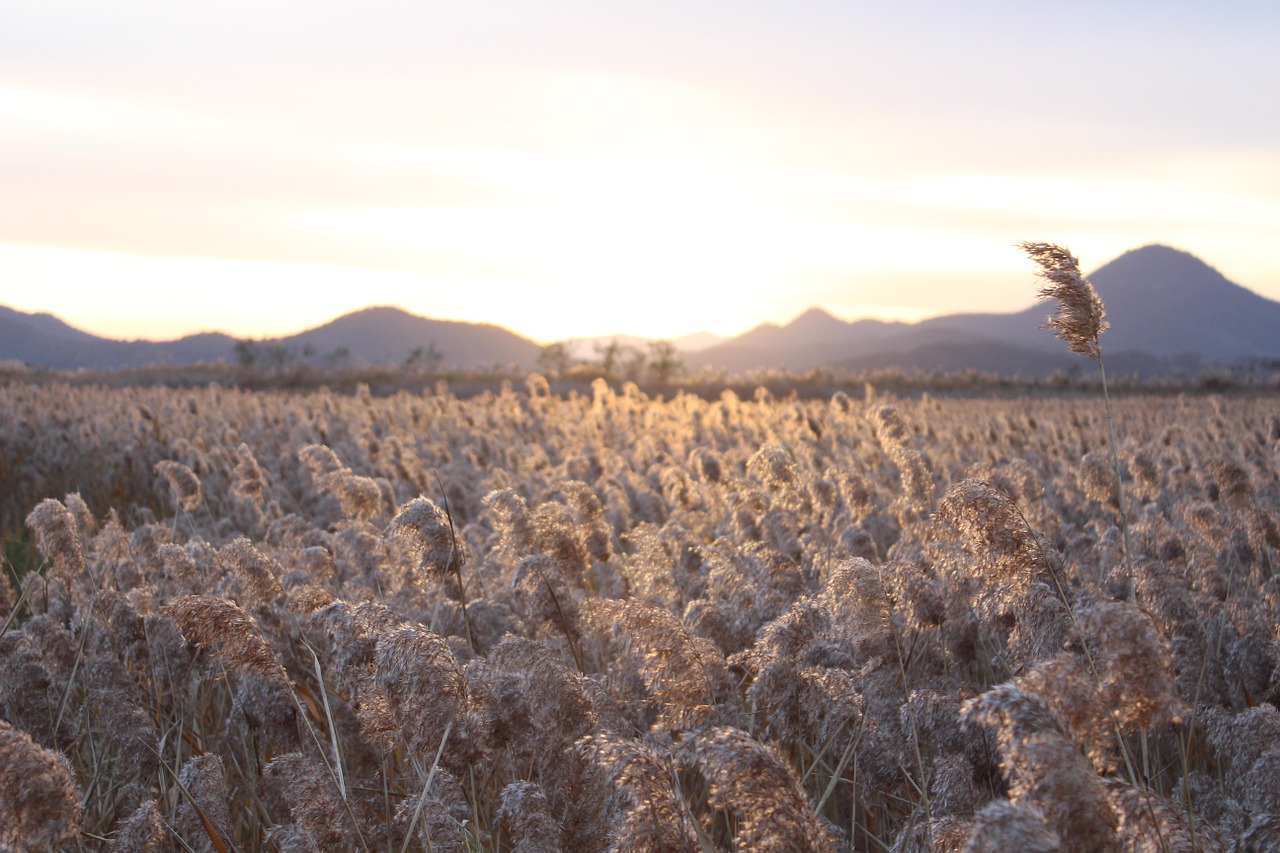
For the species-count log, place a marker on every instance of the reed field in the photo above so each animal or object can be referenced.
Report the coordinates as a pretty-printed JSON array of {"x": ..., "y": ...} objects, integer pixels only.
[{"x": 520, "y": 621}]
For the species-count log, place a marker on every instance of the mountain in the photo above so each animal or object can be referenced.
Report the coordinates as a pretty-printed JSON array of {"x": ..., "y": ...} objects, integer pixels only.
[
  {"x": 1164, "y": 301},
  {"x": 695, "y": 341},
  {"x": 1168, "y": 311},
  {"x": 387, "y": 335},
  {"x": 813, "y": 339},
  {"x": 42, "y": 339},
  {"x": 374, "y": 335}
]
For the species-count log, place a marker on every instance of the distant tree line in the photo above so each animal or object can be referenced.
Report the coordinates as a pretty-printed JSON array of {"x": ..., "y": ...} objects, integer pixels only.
[
  {"x": 658, "y": 362},
  {"x": 273, "y": 357}
]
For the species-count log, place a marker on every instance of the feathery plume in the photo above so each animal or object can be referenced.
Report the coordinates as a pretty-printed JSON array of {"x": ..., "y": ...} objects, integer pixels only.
[
  {"x": 320, "y": 461},
  {"x": 58, "y": 538},
  {"x": 249, "y": 482},
  {"x": 1081, "y": 317},
  {"x": 184, "y": 485},
  {"x": 439, "y": 815},
  {"x": 260, "y": 574},
  {"x": 913, "y": 472},
  {"x": 996, "y": 536},
  {"x": 1045, "y": 768},
  {"x": 656, "y": 818},
  {"x": 203, "y": 817},
  {"x": 310, "y": 795},
  {"x": 1098, "y": 478},
  {"x": 141, "y": 831},
  {"x": 1151, "y": 824},
  {"x": 1134, "y": 666},
  {"x": 527, "y": 814},
  {"x": 1079, "y": 321},
  {"x": 1005, "y": 827},
  {"x": 39, "y": 805},
  {"x": 80, "y": 511},
  {"x": 360, "y": 497},
  {"x": 510, "y": 515},
  {"x": 679, "y": 668},
  {"x": 427, "y": 530},
  {"x": 227, "y": 630},
  {"x": 773, "y": 466},
  {"x": 176, "y": 565},
  {"x": 7, "y": 597},
  {"x": 422, "y": 688},
  {"x": 547, "y": 599},
  {"x": 751, "y": 780}
]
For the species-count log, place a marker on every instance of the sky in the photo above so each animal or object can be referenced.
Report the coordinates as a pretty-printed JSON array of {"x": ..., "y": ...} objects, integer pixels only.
[{"x": 656, "y": 168}]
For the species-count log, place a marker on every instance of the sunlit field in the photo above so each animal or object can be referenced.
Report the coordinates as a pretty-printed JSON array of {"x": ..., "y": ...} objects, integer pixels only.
[{"x": 526, "y": 621}]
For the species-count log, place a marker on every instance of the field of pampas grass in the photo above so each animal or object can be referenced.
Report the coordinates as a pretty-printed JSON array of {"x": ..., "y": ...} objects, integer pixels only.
[{"x": 521, "y": 622}]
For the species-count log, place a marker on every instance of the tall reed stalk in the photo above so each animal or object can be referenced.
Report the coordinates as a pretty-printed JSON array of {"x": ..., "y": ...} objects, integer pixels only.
[{"x": 1080, "y": 320}]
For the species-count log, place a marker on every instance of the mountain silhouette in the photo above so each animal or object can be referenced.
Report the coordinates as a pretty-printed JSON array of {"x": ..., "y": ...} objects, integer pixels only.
[
  {"x": 1169, "y": 311},
  {"x": 380, "y": 335},
  {"x": 45, "y": 340},
  {"x": 388, "y": 335}
]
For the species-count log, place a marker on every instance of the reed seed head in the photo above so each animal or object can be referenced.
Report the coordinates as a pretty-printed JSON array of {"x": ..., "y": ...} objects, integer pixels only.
[
  {"x": 1080, "y": 318},
  {"x": 39, "y": 805}
]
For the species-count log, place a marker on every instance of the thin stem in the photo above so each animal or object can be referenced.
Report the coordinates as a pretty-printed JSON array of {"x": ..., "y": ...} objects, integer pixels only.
[
  {"x": 426, "y": 788},
  {"x": 455, "y": 565},
  {"x": 1115, "y": 461}
]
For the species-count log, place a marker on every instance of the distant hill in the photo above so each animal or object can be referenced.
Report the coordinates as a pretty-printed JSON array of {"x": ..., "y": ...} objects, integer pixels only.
[
  {"x": 387, "y": 335},
  {"x": 374, "y": 335},
  {"x": 1168, "y": 311},
  {"x": 44, "y": 340}
]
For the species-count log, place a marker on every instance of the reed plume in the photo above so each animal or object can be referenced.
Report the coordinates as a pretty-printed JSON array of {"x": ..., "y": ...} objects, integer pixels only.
[
  {"x": 1080, "y": 317},
  {"x": 655, "y": 816},
  {"x": 1045, "y": 769},
  {"x": 1005, "y": 827},
  {"x": 429, "y": 533},
  {"x": 1080, "y": 320},
  {"x": 8, "y": 599},
  {"x": 249, "y": 482},
  {"x": 184, "y": 485},
  {"x": 680, "y": 669},
  {"x": 58, "y": 538},
  {"x": 85, "y": 522},
  {"x": 913, "y": 471},
  {"x": 261, "y": 575},
  {"x": 548, "y": 600},
  {"x": 439, "y": 816},
  {"x": 39, "y": 805},
  {"x": 204, "y": 819},
  {"x": 230, "y": 633},
  {"x": 527, "y": 814},
  {"x": 997, "y": 538},
  {"x": 421, "y": 690},
  {"x": 751, "y": 781},
  {"x": 312, "y": 801},
  {"x": 1133, "y": 665},
  {"x": 1150, "y": 823},
  {"x": 140, "y": 832}
]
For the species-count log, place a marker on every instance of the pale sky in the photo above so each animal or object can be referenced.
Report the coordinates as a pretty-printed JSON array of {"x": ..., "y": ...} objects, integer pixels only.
[{"x": 581, "y": 168}]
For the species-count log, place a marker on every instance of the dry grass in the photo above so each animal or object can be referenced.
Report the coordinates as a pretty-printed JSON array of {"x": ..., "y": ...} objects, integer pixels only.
[{"x": 534, "y": 622}]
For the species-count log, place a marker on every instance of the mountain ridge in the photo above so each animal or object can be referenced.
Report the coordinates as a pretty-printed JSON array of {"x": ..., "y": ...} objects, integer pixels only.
[
  {"x": 1169, "y": 310},
  {"x": 1162, "y": 302}
]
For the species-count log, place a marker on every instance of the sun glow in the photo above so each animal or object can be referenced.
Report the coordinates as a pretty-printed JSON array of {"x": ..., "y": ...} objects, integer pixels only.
[
  {"x": 569, "y": 199},
  {"x": 185, "y": 295}
]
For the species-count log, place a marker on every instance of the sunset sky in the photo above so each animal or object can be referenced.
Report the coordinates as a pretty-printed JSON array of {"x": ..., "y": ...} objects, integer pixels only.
[{"x": 654, "y": 168}]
